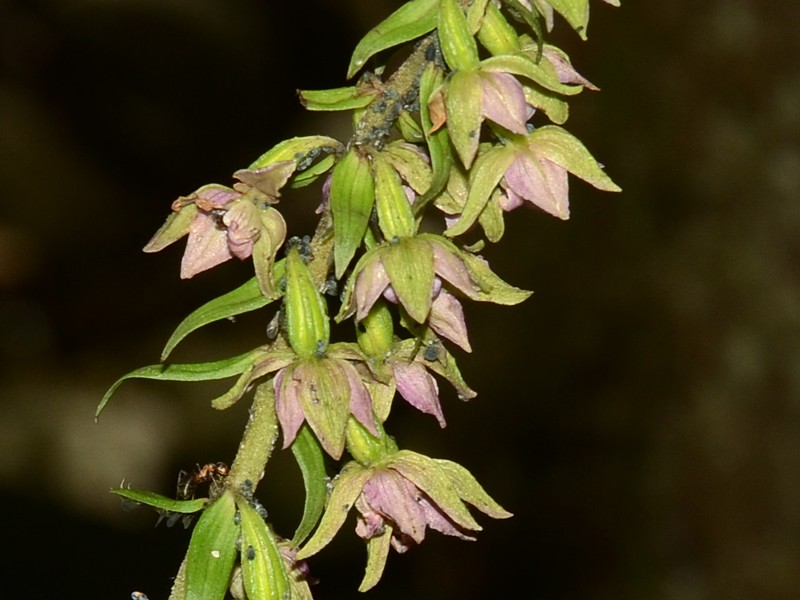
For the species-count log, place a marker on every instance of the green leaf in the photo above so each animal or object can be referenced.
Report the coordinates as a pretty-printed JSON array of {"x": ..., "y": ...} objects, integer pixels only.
[
  {"x": 298, "y": 149},
  {"x": 344, "y": 98},
  {"x": 212, "y": 551},
  {"x": 458, "y": 46},
  {"x": 263, "y": 567},
  {"x": 187, "y": 372},
  {"x": 309, "y": 457},
  {"x": 352, "y": 196},
  {"x": 162, "y": 502},
  {"x": 484, "y": 178},
  {"x": 410, "y": 21},
  {"x": 311, "y": 174},
  {"x": 245, "y": 298},
  {"x": 564, "y": 149}
]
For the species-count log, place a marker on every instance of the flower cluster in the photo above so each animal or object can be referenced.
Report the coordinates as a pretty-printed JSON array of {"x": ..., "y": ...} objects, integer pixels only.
[{"x": 466, "y": 129}]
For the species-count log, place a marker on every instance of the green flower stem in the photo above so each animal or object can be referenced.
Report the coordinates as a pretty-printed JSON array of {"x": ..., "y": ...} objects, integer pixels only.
[
  {"x": 399, "y": 92},
  {"x": 257, "y": 442},
  {"x": 179, "y": 585}
]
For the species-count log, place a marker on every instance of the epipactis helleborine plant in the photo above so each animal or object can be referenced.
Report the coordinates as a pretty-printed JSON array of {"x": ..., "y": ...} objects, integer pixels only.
[{"x": 467, "y": 128}]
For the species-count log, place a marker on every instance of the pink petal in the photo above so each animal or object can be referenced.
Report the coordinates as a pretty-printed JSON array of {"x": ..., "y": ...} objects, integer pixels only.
[
  {"x": 447, "y": 319},
  {"x": 452, "y": 269},
  {"x": 504, "y": 101},
  {"x": 370, "y": 284},
  {"x": 419, "y": 389},
  {"x": 439, "y": 521},
  {"x": 206, "y": 246},
  {"x": 540, "y": 182},
  {"x": 395, "y": 497},
  {"x": 214, "y": 196},
  {"x": 360, "y": 400},
  {"x": 287, "y": 406},
  {"x": 244, "y": 227}
]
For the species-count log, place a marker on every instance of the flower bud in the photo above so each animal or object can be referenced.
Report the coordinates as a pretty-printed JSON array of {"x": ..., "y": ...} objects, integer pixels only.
[
  {"x": 307, "y": 323},
  {"x": 395, "y": 217},
  {"x": 496, "y": 34},
  {"x": 365, "y": 447},
  {"x": 458, "y": 46},
  {"x": 375, "y": 333}
]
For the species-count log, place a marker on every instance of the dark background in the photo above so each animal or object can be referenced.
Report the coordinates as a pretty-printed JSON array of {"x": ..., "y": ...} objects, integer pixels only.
[{"x": 640, "y": 414}]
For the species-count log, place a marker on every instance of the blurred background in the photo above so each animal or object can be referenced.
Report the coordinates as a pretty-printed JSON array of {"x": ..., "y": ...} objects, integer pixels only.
[{"x": 640, "y": 414}]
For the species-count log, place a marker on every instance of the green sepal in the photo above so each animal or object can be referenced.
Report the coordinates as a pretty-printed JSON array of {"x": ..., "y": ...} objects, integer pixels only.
[
  {"x": 307, "y": 324},
  {"x": 458, "y": 46},
  {"x": 464, "y": 114},
  {"x": 410, "y": 164},
  {"x": 485, "y": 176},
  {"x": 562, "y": 148},
  {"x": 556, "y": 109},
  {"x": 576, "y": 12},
  {"x": 377, "y": 553},
  {"x": 493, "y": 289},
  {"x": 427, "y": 476},
  {"x": 212, "y": 551},
  {"x": 542, "y": 73},
  {"x": 161, "y": 502},
  {"x": 409, "y": 265},
  {"x": 174, "y": 228},
  {"x": 263, "y": 568},
  {"x": 395, "y": 217},
  {"x": 439, "y": 149},
  {"x": 375, "y": 333},
  {"x": 220, "y": 369},
  {"x": 308, "y": 454},
  {"x": 475, "y": 14},
  {"x": 443, "y": 365},
  {"x": 496, "y": 34},
  {"x": 352, "y": 196},
  {"x": 468, "y": 488},
  {"x": 344, "y": 98},
  {"x": 409, "y": 128},
  {"x": 346, "y": 488},
  {"x": 410, "y": 21},
  {"x": 245, "y": 298},
  {"x": 491, "y": 219}
]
